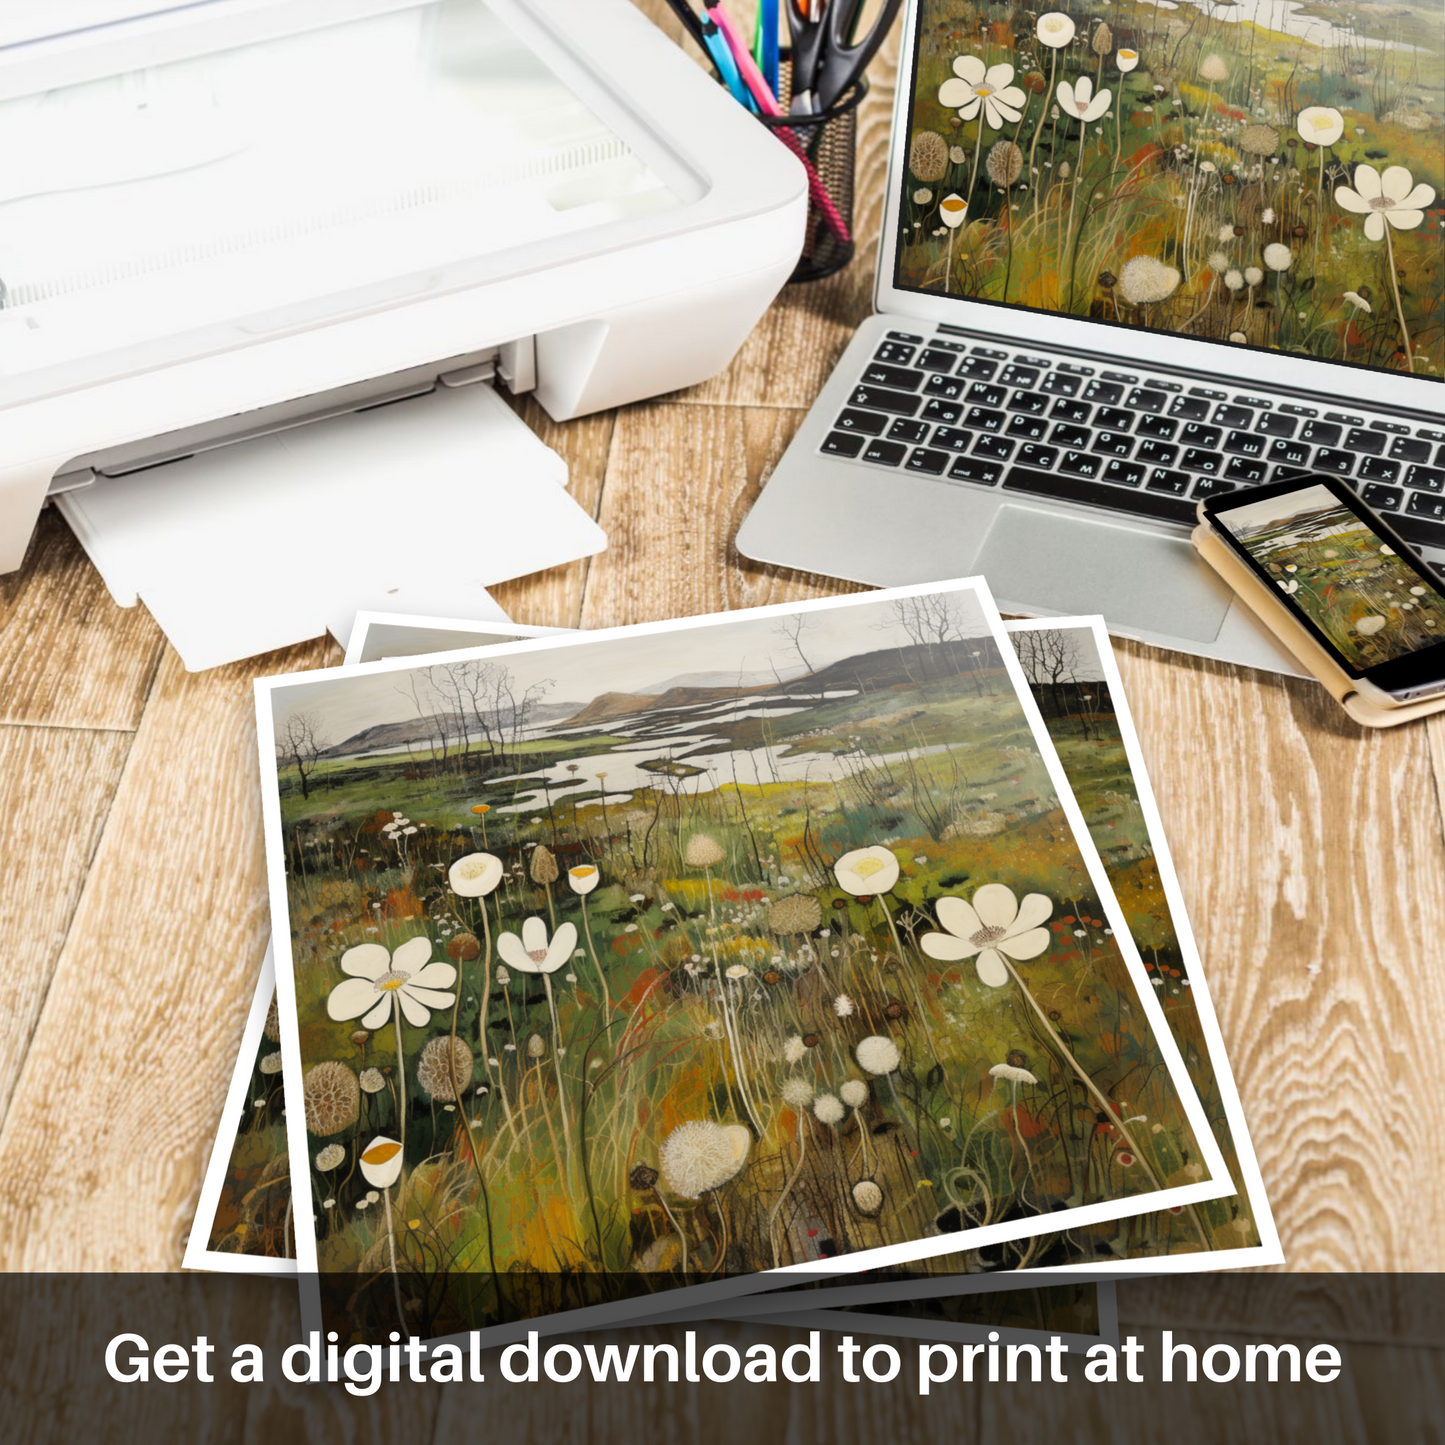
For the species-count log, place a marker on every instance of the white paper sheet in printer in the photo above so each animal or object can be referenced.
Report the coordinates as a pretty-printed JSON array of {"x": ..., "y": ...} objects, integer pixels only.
[{"x": 223, "y": 221}]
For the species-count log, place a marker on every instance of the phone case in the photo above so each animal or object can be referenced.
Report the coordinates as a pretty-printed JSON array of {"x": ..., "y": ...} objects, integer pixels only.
[{"x": 1261, "y": 601}]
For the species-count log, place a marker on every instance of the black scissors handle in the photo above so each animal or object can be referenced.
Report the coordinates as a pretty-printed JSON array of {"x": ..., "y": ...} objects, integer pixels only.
[
  {"x": 843, "y": 58},
  {"x": 809, "y": 38}
]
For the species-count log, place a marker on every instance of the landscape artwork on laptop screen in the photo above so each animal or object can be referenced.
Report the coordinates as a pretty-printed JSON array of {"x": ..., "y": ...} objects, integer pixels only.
[
  {"x": 637, "y": 961},
  {"x": 1262, "y": 172}
]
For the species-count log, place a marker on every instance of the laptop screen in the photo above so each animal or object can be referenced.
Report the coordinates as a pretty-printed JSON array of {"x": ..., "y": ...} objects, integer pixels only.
[{"x": 1248, "y": 173}]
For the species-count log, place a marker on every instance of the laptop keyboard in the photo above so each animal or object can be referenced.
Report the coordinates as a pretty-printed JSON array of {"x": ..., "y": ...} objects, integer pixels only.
[{"x": 1138, "y": 443}]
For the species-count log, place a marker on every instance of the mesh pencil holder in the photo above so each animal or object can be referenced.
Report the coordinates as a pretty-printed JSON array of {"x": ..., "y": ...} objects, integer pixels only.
[{"x": 827, "y": 144}]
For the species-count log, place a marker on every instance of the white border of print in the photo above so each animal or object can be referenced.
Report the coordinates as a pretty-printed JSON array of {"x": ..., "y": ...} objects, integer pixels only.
[
  {"x": 1215, "y": 1184},
  {"x": 197, "y": 1255},
  {"x": 502, "y": 626}
]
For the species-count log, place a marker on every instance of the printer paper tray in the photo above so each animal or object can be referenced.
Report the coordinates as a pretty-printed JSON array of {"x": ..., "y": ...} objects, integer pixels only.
[{"x": 416, "y": 506}]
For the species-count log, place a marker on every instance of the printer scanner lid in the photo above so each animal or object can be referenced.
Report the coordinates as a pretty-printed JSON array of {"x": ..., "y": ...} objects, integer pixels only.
[{"x": 187, "y": 178}]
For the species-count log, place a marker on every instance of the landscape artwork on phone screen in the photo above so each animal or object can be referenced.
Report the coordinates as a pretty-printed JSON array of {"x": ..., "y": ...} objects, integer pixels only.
[
  {"x": 659, "y": 958},
  {"x": 1261, "y": 172},
  {"x": 1349, "y": 582}
]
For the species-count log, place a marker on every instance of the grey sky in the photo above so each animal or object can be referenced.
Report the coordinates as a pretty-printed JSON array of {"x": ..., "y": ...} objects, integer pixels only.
[{"x": 582, "y": 670}]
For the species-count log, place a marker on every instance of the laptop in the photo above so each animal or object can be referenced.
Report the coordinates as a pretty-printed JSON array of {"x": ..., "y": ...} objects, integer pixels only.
[{"x": 1126, "y": 266}]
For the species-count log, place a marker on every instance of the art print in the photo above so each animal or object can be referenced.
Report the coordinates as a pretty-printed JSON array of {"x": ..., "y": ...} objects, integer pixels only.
[{"x": 678, "y": 954}]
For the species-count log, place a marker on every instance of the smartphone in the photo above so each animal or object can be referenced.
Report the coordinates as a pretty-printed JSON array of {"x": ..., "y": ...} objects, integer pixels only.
[{"x": 1344, "y": 573}]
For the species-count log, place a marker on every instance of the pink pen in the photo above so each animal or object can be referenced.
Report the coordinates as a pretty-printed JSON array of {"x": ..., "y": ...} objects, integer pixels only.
[{"x": 768, "y": 105}]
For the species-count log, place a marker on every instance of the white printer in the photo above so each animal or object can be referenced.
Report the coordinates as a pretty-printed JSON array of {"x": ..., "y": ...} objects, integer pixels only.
[{"x": 233, "y": 231}]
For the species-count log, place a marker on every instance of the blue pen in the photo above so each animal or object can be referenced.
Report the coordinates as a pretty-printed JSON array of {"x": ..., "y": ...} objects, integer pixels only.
[
  {"x": 727, "y": 67},
  {"x": 767, "y": 51}
]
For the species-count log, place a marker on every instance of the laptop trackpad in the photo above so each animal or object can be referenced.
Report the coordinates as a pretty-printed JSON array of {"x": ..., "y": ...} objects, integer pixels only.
[{"x": 1044, "y": 560}]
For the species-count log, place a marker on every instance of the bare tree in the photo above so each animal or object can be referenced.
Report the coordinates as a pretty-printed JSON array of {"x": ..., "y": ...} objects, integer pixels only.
[
  {"x": 792, "y": 631},
  {"x": 426, "y": 702},
  {"x": 299, "y": 745}
]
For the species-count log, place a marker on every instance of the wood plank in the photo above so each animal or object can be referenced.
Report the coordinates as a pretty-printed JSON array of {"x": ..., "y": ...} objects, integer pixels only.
[
  {"x": 118, "y": 1099},
  {"x": 69, "y": 657},
  {"x": 679, "y": 482},
  {"x": 1315, "y": 879},
  {"x": 554, "y": 598},
  {"x": 56, "y": 787}
]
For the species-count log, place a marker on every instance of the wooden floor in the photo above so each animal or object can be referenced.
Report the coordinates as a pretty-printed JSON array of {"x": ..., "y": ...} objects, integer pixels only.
[{"x": 134, "y": 914}]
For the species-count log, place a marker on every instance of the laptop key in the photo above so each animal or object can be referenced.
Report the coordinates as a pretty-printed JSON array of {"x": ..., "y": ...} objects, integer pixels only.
[
  {"x": 1420, "y": 532},
  {"x": 981, "y": 419},
  {"x": 935, "y": 409},
  {"x": 1061, "y": 383},
  {"x": 1107, "y": 392},
  {"x": 953, "y": 438},
  {"x": 1409, "y": 449},
  {"x": 877, "y": 374},
  {"x": 1240, "y": 469},
  {"x": 948, "y": 387},
  {"x": 1245, "y": 444},
  {"x": 905, "y": 336},
  {"x": 895, "y": 353},
  {"x": 878, "y": 398},
  {"x": 1081, "y": 464},
  {"x": 1070, "y": 436},
  {"x": 931, "y": 359},
  {"x": 1331, "y": 459},
  {"x": 972, "y": 469},
  {"x": 1160, "y": 427},
  {"x": 1196, "y": 459},
  {"x": 886, "y": 454},
  {"x": 1143, "y": 398},
  {"x": 996, "y": 449},
  {"x": 1213, "y": 486},
  {"x": 1289, "y": 453},
  {"x": 867, "y": 422},
  {"x": 978, "y": 368},
  {"x": 933, "y": 463},
  {"x": 1272, "y": 424},
  {"x": 1378, "y": 469},
  {"x": 1381, "y": 498},
  {"x": 1195, "y": 435},
  {"x": 1032, "y": 456},
  {"x": 1031, "y": 428},
  {"x": 843, "y": 444},
  {"x": 1032, "y": 403},
  {"x": 1113, "y": 418},
  {"x": 1156, "y": 454},
  {"x": 1014, "y": 375},
  {"x": 985, "y": 395},
  {"x": 1075, "y": 411},
  {"x": 907, "y": 429},
  {"x": 1112, "y": 444},
  {"x": 1189, "y": 408},
  {"x": 1100, "y": 494},
  {"x": 1321, "y": 433},
  {"x": 1124, "y": 474},
  {"x": 1234, "y": 416},
  {"x": 1421, "y": 504},
  {"x": 1425, "y": 479},
  {"x": 1371, "y": 443},
  {"x": 1440, "y": 457},
  {"x": 1164, "y": 480}
]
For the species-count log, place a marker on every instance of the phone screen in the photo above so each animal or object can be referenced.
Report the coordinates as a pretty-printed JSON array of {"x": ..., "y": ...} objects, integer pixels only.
[{"x": 1331, "y": 565}]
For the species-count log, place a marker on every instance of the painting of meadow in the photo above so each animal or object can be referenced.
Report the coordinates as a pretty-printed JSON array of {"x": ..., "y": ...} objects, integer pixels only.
[
  {"x": 689, "y": 954},
  {"x": 1371, "y": 605},
  {"x": 1261, "y": 172}
]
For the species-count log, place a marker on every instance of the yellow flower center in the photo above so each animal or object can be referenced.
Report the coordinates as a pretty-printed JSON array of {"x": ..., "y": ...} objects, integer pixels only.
[
  {"x": 867, "y": 867},
  {"x": 949, "y": 206},
  {"x": 390, "y": 982},
  {"x": 583, "y": 873},
  {"x": 472, "y": 867},
  {"x": 380, "y": 1153},
  {"x": 1322, "y": 122},
  {"x": 984, "y": 89},
  {"x": 1128, "y": 55}
]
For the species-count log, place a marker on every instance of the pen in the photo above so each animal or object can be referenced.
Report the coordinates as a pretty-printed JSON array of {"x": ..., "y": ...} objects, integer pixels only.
[
  {"x": 688, "y": 16},
  {"x": 723, "y": 56},
  {"x": 765, "y": 42},
  {"x": 768, "y": 105}
]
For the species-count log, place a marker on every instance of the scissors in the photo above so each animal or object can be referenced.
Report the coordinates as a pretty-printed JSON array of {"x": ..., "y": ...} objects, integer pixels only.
[{"x": 827, "y": 54}]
